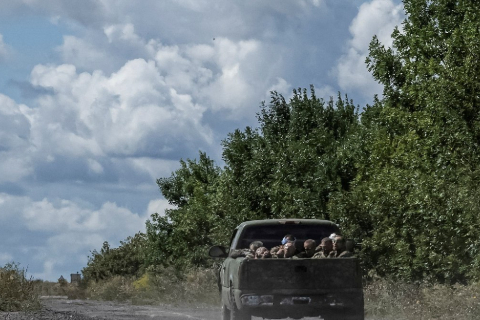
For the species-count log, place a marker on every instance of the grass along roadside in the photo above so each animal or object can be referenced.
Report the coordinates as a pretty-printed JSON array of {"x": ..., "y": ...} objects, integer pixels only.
[
  {"x": 389, "y": 299},
  {"x": 197, "y": 287},
  {"x": 384, "y": 299}
]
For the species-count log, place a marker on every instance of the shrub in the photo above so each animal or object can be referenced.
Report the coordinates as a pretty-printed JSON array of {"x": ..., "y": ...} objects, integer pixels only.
[
  {"x": 17, "y": 293},
  {"x": 117, "y": 288}
]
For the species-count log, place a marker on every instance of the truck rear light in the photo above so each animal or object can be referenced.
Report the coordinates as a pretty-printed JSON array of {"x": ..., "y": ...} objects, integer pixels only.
[{"x": 254, "y": 300}]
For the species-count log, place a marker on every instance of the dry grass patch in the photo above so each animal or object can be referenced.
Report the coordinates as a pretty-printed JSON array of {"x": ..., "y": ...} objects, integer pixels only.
[
  {"x": 197, "y": 287},
  {"x": 387, "y": 299}
]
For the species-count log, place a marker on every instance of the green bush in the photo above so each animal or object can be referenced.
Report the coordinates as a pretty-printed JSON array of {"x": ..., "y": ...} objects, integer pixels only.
[{"x": 17, "y": 293}]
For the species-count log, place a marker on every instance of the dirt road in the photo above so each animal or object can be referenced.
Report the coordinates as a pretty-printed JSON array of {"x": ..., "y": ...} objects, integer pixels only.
[{"x": 63, "y": 309}]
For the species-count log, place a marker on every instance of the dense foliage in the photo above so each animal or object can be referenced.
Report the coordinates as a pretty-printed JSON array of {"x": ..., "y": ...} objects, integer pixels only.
[
  {"x": 415, "y": 199},
  {"x": 402, "y": 175},
  {"x": 126, "y": 260}
]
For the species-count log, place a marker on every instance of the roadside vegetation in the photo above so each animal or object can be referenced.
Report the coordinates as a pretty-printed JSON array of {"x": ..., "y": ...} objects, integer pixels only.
[
  {"x": 389, "y": 300},
  {"x": 17, "y": 291}
]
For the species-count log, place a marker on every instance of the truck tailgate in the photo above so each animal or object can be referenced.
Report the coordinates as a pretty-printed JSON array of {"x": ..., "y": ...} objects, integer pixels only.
[{"x": 302, "y": 274}]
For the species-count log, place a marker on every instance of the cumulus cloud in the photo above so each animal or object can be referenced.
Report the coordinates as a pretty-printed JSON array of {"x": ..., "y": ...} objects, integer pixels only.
[
  {"x": 237, "y": 18},
  {"x": 66, "y": 230},
  {"x": 149, "y": 107},
  {"x": 67, "y": 216},
  {"x": 377, "y": 17},
  {"x": 131, "y": 112},
  {"x": 84, "y": 54}
]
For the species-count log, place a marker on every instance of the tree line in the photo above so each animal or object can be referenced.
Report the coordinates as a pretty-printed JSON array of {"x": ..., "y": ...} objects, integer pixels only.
[{"x": 401, "y": 175}]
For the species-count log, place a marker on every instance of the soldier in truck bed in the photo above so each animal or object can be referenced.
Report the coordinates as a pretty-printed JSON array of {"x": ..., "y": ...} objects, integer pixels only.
[
  {"x": 323, "y": 249},
  {"x": 248, "y": 253},
  {"x": 288, "y": 251},
  {"x": 285, "y": 239},
  {"x": 309, "y": 246},
  {"x": 262, "y": 253},
  {"x": 340, "y": 249}
]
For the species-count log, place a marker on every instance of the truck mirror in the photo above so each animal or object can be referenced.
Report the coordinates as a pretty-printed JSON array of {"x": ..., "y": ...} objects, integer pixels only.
[{"x": 218, "y": 252}]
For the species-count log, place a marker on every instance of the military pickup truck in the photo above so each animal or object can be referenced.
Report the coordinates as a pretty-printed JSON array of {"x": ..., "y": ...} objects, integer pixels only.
[{"x": 329, "y": 288}]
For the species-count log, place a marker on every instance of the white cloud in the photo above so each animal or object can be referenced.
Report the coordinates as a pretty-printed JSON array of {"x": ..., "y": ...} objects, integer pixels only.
[
  {"x": 281, "y": 86},
  {"x": 125, "y": 32},
  {"x": 155, "y": 168},
  {"x": 158, "y": 206},
  {"x": 4, "y": 49},
  {"x": 67, "y": 231},
  {"x": 83, "y": 53},
  {"x": 67, "y": 216},
  {"x": 325, "y": 92},
  {"x": 129, "y": 113},
  {"x": 149, "y": 107},
  {"x": 377, "y": 17}
]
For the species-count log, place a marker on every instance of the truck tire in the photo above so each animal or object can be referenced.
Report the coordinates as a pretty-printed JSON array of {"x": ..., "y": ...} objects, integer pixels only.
[{"x": 236, "y": 314}]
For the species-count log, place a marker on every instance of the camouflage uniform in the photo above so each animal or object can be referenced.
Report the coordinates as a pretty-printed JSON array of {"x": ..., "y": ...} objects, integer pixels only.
[
  {"x": 247, "y": 253},
  {"x": 275, "y": 249},
  {"x": 280, "y": 255},
  {"x": 343, "y": 254},
  {"x": 320, "y": 255},
  {"x": 303, "y": 255}
]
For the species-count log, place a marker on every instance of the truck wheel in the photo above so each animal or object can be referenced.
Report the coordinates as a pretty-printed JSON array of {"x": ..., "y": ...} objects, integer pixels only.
[{"x": 225, "y": 313}]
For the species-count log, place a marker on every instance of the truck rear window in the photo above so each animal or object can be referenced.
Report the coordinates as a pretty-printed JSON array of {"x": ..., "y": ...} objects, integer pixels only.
[{"x": 272, "y": 235}]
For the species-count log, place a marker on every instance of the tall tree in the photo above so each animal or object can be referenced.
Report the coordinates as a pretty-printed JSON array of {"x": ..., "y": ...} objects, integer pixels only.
[
  {"x": 182, "y": 236},
  {"x": 415, "y": 195},
  {"x": 293, "y": 162}
]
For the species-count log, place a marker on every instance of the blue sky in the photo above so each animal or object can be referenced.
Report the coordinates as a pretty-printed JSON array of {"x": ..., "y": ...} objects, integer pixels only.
[{"x": 98, "y": 99}]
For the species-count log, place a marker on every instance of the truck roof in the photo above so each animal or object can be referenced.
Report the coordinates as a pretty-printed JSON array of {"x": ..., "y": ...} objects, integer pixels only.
[{"x": 286, "y": 221}]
